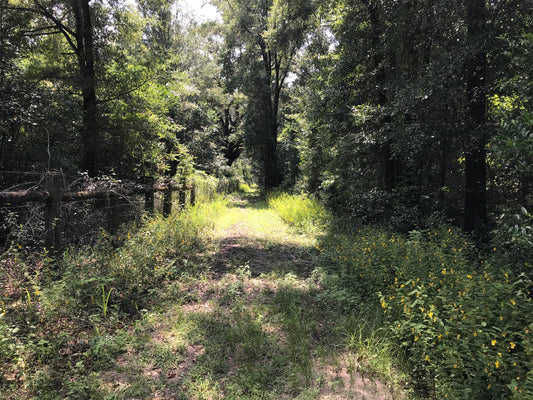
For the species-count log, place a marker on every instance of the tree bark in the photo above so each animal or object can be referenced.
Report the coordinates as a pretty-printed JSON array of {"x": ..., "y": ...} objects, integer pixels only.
[
  {"x": 85, "y": 56},
  {"x": 273, "y": 176},
  {"x": 476, "y": 68},
  {"x": 232, "y": 149},
  {"x": 271, "y": 171}
]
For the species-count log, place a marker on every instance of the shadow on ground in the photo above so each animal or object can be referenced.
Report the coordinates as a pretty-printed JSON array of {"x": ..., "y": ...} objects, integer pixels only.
[
  {"x": 252, "y": 201},
  {"x": 264, "y": 257}
]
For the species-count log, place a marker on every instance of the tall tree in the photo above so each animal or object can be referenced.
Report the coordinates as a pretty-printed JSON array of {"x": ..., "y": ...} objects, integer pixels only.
[
  {"x": 73, "y": 19},
  {"x": 476, "y": 76},
  {"x": 263, "y": 38}
]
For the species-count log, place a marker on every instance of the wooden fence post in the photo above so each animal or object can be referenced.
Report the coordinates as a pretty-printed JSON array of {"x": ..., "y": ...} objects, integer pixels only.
[
  {"x": 193, "y": 194},
  {"x": 182, "y": 192},
  {"x": 167, "y": 199},
  {"x": 112, "y": 205},
  {"x": 53, "y": 182},
  {"x": 149, "y": 195}
]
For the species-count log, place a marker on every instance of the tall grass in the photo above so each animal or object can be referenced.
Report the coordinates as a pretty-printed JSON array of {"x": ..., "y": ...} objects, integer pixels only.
[
  {"x": 59, "y": 325},
  {"x": 298, "y": 211}
]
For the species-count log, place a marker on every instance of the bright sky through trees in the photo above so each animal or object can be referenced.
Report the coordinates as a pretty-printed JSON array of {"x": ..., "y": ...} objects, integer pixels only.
[{"x": 201, "y": 9}]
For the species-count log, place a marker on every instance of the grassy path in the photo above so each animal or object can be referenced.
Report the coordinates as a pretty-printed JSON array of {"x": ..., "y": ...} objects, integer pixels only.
[
  {"x": 238, "y": 311},
  {"x": 255, "y": 325}
]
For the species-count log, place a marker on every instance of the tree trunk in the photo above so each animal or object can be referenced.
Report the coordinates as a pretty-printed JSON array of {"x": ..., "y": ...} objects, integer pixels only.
[
  {"x": 272, "y": 89},
  {"x": 391, "y": 164},
  {"x": 232, "y": 149},
  {"x": 475, "y": 218},
  {"x": 273, "y": 177},
  {"x": 85, "y": 56}
]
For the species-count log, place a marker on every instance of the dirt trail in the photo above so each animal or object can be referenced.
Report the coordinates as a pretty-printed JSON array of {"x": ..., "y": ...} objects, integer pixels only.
[{"x": 248, "y": 329}]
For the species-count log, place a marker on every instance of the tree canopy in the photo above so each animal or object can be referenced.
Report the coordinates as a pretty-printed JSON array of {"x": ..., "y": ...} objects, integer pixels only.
[{"x": 410, "y": 112}]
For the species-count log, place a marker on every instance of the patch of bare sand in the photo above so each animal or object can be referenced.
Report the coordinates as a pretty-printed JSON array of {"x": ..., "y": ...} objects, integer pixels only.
[{"x": 340, "y": 382}]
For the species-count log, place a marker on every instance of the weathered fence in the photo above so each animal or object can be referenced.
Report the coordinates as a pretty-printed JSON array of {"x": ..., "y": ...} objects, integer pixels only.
[{"x": 53, "y": 195}]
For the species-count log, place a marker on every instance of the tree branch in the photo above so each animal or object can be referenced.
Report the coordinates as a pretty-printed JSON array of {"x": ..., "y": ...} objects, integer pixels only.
[
  {"x": 33, "y": 34},
  {"x": 66, "y": 31},
  {"x": 120, "y": 94}
]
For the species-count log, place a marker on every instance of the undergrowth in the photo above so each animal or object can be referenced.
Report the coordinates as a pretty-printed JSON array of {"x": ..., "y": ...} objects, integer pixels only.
[
  {"x": 109, "y": 321},
  {"x": 140, "y": 315},
  {"x": 61, "y": 322},
  {"x": 462, "y": 318}
]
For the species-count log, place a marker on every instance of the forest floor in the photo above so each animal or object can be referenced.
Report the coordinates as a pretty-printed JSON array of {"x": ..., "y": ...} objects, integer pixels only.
[{"x": 254, "y": 325}]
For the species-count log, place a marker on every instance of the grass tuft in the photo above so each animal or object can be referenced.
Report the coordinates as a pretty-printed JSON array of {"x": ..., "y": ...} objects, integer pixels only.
[{"x": 299, "y": 211}]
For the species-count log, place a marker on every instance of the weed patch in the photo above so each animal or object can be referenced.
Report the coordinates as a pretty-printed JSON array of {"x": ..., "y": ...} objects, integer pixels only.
[
  {"x": 461, "y": 318},
  {"x": 298, "y": 211}
]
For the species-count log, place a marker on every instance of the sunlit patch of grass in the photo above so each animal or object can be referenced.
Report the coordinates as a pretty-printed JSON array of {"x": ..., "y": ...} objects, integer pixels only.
[
  {"x": 245, "y": 188},
  {"x": 372, "y": 350},
  {"x": 299, "y": 211}
]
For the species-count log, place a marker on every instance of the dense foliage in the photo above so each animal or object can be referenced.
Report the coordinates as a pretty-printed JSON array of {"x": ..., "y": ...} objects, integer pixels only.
[
  {"x": 462, "y": 319},
  {"x": 410, "y": 120},
  {"x": 386, "y": 110}
]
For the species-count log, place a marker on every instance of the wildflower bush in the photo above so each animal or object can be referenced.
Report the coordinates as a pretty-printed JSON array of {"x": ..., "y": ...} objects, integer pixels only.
[
  {"x": 298, "y": 211},
  {"x": 463, "y": 320}
]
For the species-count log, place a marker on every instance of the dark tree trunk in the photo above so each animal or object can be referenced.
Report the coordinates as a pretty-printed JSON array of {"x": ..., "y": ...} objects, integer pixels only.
[
  {"x": 475, "y": 218},
  {"x": 392, "y": 167},
  {"x": 391, "y": 163},
  {"x": 232, "y": 149},
  {"x": 273, "y": 84},
  {"x": 273, "y": 177},
  {"x": 85, "y": 56}
]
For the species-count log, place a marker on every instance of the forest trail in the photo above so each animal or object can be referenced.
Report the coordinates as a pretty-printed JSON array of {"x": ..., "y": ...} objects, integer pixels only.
[{"x": 254, "y": 326}]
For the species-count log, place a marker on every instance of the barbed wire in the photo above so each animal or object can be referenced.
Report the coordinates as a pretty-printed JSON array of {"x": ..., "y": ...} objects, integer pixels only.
[{"x": 80, "y": 218}]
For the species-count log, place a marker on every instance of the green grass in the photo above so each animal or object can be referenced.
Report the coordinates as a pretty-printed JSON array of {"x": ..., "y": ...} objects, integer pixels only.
[
  {"x": 225, "y": 300},
  {"x": 298, "y": 211}
]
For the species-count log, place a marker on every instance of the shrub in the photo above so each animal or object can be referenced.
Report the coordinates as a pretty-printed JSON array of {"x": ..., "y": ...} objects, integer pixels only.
[
  {"x": 206, "y": 187},
  {"x": 159, "y": 251}
]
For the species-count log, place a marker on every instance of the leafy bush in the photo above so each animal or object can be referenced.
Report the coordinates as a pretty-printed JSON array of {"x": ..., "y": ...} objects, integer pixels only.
[
  {"x": 463, "y": 321},
  {"x": 206, "y": 187},
  {"x": 515, "y": 235},
  {"x": 299, "y": 211}
]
